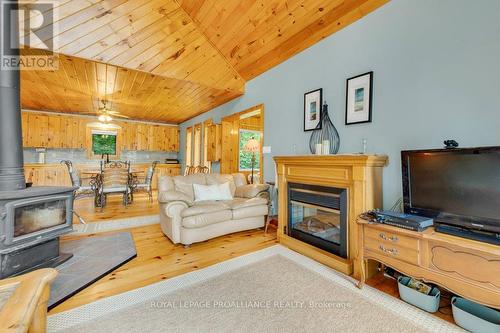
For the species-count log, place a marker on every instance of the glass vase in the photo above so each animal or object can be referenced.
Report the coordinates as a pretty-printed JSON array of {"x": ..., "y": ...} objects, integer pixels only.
[{"x": 325, "y": 136}]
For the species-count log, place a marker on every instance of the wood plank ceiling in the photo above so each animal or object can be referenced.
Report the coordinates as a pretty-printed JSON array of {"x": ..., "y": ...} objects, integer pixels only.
[{"x": 170, "y": 60}]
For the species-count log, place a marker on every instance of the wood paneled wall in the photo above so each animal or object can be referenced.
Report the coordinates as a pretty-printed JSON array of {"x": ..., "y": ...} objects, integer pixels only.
[{"x": 65, "y": 131}]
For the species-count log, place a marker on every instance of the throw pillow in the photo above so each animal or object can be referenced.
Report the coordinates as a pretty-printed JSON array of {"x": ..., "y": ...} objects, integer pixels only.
[{"x": 212, "y": 192}]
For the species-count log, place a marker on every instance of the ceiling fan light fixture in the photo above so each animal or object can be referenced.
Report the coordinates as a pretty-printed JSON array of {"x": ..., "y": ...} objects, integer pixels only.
[{"x": 104, "y": 118}]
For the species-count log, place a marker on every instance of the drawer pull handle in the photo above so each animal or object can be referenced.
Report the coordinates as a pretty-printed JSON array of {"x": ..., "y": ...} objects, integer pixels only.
[
  {"x": 392, "y": 238},
  {"x": 391, "y": 251}
]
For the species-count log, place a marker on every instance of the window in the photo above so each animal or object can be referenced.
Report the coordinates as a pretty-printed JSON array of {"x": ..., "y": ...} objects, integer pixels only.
[
  {"x": 245, "y": 156},
  {"x": 103, "y": 142},
  {"x": 189, "y": 145}
]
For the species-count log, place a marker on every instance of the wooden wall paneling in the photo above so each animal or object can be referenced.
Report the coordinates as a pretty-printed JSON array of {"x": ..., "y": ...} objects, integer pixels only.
[
  {"x": 125, "y": 141},
  {"x": 206, "y": 125},
  {"x": 25, "y": 128},
  {"x": 54, "y": 132},
  {"x": 189, "y": 147},
  {"x": 227, "y": 144},
  {"x": 66, "y": 133},
  {"x": 176, "y": 141},
  {"x": 152, "y": 143},
  {"x": 131, "y": 136},
  {"x": 168, "y": 138},
  {"x": 38, "y": 130},
  {"x": 47, "y": 175},
  {"x": 142, "y": 137},
  {"x": 82, "y": 132},
  {"x": 214, "y": 142},
  {"x": 197, "y": 145}
]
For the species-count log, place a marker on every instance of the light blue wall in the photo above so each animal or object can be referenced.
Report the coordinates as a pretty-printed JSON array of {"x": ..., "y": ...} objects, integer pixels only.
[{"x": 436, "y": 70}]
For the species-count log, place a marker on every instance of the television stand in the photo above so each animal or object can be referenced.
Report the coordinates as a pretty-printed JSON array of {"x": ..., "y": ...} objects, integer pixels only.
[
  {"x": 466, "y": 267},
  {"x": 487, "y": 237}
]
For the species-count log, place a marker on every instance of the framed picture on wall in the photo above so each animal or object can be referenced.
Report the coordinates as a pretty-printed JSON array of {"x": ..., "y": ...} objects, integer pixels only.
[
  {"x": 358, "y": 107},
  {"x": 312, "y": 109}
]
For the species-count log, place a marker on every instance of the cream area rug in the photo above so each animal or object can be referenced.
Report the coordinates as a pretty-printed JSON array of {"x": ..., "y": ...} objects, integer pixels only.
[
  {"x": 272, "y": 290},
  {"x": 117, "y": 224}
]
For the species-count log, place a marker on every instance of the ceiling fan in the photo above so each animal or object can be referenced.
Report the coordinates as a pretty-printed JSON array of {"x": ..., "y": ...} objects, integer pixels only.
[{"x": 106, "y": 114}]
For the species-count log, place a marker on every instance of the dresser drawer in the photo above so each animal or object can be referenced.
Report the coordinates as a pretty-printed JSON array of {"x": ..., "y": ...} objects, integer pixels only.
[
  {"x": 391, "y": 238},
  {"x": 392, "y": 250}
]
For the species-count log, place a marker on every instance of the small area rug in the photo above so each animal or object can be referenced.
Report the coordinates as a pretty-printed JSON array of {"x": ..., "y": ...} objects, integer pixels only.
[
  {"x": 117, "y": 224},
  {"x": 272, "y": 290}
]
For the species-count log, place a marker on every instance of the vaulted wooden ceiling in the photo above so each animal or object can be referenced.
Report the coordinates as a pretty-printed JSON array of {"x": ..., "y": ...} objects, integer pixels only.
[{"x": 170, "y": 60}]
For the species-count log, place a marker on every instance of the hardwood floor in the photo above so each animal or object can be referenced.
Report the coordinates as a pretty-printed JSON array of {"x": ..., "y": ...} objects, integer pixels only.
[
  {"x": 114, "y": 208},
  {"x": 158, "y": 259},
  {"x": 390, "y": 286}
]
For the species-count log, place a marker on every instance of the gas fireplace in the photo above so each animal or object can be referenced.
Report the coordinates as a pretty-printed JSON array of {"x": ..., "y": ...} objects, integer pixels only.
[{"x": 318, "y": 216}]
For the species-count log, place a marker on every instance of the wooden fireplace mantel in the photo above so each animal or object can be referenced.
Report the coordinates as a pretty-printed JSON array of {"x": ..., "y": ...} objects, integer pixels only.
[{"x": 359, "y": 174}]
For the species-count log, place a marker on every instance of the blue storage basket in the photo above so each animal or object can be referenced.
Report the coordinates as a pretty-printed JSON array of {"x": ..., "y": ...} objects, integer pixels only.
[
  {"x": 475, "y": 317},
  {"x": 429, "y": 303}
]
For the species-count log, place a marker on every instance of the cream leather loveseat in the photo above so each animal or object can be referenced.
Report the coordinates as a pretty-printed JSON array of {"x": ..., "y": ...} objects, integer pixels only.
[{"x": 186, "y": 221}]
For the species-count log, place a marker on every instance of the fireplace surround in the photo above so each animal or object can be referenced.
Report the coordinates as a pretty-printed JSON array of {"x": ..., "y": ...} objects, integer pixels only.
[{"x": 320, "y": 197}]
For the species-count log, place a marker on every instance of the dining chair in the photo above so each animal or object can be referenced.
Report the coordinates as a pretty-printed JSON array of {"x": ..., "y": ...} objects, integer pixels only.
[
  {"x": 81, "y": 190},
  {"x": 147, "y": 184},
  {"x": 115, "y": 178},
  {"x": 201, "y": 169},
  {"x": 189, "y": 170}
]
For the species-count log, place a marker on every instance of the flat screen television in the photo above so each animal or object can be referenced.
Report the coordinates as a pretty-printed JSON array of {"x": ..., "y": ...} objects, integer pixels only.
[{"x": 457, "y": 187}]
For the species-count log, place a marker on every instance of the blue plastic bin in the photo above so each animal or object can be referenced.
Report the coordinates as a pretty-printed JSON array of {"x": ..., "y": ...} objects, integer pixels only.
[
  {"x": 429, "y": 303},
  {"x": 475, "y": 317}
]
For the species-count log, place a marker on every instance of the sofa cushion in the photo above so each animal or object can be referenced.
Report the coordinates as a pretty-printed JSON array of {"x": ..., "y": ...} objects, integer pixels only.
[
  {"x": 253, "y": 211},
  {"x": 184, "y": 184},
  {"x": 212, "y": 192},
  {"x": 239, "y": 179},
  {"x": 250, "y": 190},
  {"x": 238, "y": 203},
  {"x": 168, "y": 196},
  {"x": 165, "y": 183},
  {"x": 204, "y": 207},
  {"x": 201, "y": 220},
  {"x": 217, "y": 178}
]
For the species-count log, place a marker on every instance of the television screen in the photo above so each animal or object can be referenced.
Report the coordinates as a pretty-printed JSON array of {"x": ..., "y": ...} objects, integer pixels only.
[
  {"x": 104, "y": 143},
  {"x": 457, "y": 183}
]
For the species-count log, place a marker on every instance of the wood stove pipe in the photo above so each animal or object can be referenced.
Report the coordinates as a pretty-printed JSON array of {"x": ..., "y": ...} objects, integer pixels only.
[{"x": 11, "y": 142}]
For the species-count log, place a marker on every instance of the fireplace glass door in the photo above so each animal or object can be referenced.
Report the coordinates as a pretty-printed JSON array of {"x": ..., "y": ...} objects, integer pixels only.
[
  {"x": 317, "y": 215},
  {"x": 35, "y": 217},
  {"x": 317, "y": 221}
]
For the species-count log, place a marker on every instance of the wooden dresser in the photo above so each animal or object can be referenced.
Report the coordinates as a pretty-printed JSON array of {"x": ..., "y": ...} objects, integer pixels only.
[
  {"x": 360, "y": 175},
  {"x": 465, "y": 267}
]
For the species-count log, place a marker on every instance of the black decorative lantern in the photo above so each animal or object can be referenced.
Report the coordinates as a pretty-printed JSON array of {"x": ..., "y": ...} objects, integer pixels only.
[{"x": 325, "y": 138}]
